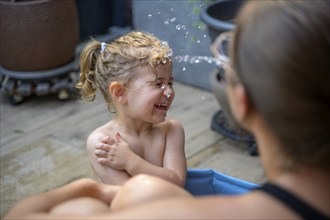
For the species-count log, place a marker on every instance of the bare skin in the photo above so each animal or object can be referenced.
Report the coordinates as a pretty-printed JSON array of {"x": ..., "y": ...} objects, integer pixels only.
[
  {"x": 155, "y": 194},
  {"x": 140, "y": 139},
  {"x": 130, "y": 160}
]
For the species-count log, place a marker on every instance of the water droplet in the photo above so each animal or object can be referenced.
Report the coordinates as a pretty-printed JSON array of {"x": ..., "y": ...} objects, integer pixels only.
[
  {"x": 204, "y": 35},
  {"x": 184, "y": 69},
  {"x": 167, "y": 22},
  {"x": 158, "y": 12},
  {"x": 171, "y": 9},
  {"x": 149, "y": 16},
  {"x": 179, "y": 27},
  {"x": 186, "y": 35},
  {"x": 198, "y": 41},
  {"x": 195, "y": 59},
  {"x": 164, "y": 44},
  {"x": 173, "y": 19},
  {"x": 178, "y": 58},
  {"x": 169, "y": 53}
]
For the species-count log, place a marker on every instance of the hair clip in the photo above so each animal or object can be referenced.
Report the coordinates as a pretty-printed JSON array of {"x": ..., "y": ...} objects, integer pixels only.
[{"x": 102, "y": 47}]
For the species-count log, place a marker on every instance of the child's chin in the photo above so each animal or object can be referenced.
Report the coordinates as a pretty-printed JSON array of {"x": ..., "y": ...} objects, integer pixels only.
[{"x": 162, "y": 119}]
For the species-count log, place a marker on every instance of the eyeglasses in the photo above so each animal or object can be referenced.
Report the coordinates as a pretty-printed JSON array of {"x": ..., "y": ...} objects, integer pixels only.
[{"x": 220, "y": 50}]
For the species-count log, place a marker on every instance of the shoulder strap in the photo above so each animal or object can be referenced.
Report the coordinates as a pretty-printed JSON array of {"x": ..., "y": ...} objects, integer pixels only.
[{"x": 293, "y": 202}]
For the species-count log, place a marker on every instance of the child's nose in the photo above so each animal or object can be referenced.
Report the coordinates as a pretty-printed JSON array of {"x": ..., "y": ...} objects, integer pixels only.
[
  {"x": 166, "y": 87},
  {"x": 167, "y": 91}
]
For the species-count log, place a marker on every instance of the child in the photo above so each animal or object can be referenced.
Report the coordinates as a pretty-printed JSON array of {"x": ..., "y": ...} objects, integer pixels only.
[{"x": 134, "y": 75}]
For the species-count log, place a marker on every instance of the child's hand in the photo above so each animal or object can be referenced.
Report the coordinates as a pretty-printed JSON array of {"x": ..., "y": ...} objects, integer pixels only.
[
  {"x": 103, "y": 147},
  {"x": 115, "y": 153}
]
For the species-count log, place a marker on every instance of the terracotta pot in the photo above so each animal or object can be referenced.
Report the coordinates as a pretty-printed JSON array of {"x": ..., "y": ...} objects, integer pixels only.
[{"x": 38, "y": 34}]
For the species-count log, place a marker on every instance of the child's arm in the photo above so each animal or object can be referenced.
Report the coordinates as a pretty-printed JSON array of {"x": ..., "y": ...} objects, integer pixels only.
[
  {"x": 119, "y": 156},
  {"x": 106, "y": 174},
  {"x": 174, "y": 155}
]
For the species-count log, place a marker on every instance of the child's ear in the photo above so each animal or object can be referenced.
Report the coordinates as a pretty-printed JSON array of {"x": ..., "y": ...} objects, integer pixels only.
[{"x": 118, "y": 92}]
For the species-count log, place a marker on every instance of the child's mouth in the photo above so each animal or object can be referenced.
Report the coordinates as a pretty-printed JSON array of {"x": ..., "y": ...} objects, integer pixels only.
[{"x": 162, "y": 106}]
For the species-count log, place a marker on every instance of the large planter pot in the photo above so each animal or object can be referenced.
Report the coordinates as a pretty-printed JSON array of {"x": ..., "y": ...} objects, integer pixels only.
[
  {"x": 219, "y": 17},
  {"x": 37, "y": 34}
]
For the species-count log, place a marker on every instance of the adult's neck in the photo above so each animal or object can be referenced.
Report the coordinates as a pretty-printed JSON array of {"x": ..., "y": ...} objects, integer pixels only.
[{"x": 308, "y": 183}]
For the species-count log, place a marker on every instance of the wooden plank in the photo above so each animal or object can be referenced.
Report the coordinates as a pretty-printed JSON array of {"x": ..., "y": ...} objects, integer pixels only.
[
  {"x": 38, "y": 167},
  {"x": 233, "y": 160},
  {"x": 63, "y": 122}
]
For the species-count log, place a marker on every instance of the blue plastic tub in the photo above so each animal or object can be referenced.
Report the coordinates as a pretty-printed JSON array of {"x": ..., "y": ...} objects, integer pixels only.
[{"x": 202, "y": 182}]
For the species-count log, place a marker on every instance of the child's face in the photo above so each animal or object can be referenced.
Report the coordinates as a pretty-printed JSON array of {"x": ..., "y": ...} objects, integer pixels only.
[{"x": 150, "y": 96}]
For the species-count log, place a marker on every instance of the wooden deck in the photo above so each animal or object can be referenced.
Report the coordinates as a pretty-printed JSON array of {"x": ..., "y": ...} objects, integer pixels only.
[{"x": 43, "y": 141}]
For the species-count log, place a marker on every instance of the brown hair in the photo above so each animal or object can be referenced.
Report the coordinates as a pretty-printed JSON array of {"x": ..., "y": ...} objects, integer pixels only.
[
  {"x": 118, "y": 61},
  {"x": 281, "y": 52}
]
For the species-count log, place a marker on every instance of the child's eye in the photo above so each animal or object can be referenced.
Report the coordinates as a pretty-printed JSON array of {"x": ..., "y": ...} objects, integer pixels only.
[{"x": 163, "y": 85}]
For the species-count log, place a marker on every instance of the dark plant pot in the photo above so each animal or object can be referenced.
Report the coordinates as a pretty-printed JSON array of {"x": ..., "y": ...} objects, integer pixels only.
[
  {"x": 219, "y": 89},
  {"x": 223, "y": 120},
  {"x": 38, "y": 34},
  {"x": 219, "y": 16}
]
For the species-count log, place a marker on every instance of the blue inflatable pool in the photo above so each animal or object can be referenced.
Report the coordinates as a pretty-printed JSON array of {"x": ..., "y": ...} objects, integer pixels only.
[{"x": 209, "y": 182}]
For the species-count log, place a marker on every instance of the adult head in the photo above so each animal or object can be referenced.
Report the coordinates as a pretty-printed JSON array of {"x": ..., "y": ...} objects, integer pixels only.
[{"x": 281, "y": 72}]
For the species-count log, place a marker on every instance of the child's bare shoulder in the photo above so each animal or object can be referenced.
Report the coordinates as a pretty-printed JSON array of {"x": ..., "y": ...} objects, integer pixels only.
[
  {"x": 171, "y": 124},
  {"x": 102, "y": 131}
]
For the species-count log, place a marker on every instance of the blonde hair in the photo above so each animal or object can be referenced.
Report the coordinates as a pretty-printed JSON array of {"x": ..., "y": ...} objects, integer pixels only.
[{"x": 118, "y": 61}]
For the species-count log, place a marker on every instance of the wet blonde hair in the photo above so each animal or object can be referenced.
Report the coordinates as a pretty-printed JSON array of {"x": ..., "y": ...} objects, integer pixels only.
[{"x": 118, "y": 61}]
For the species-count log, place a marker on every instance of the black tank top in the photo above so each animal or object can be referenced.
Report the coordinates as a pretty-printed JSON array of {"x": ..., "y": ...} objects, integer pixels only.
[{"x": 297, "y": 205}]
